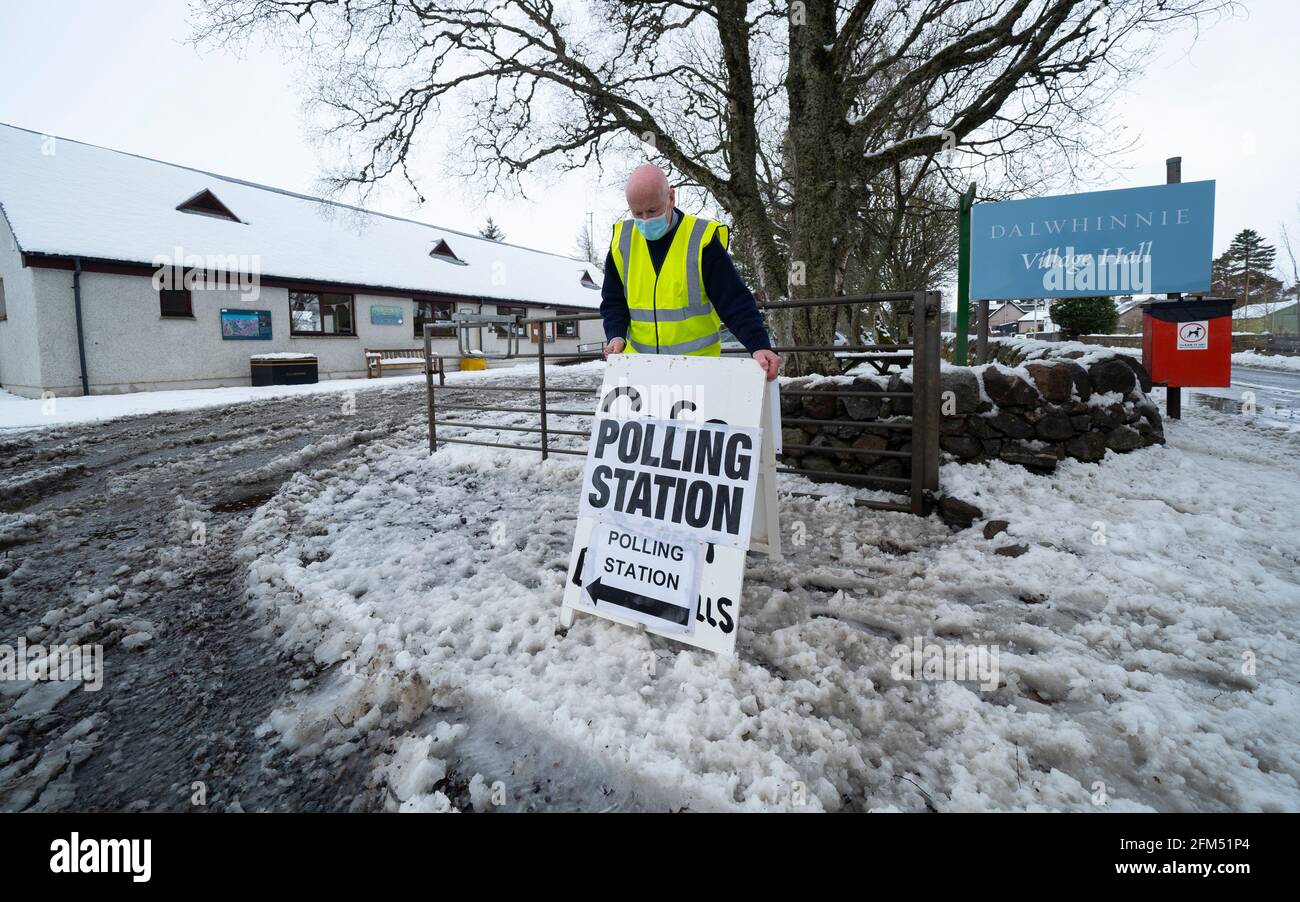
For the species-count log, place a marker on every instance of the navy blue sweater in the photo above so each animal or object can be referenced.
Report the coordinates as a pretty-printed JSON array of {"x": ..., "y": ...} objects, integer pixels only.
[{"x": 726, "y": 291}]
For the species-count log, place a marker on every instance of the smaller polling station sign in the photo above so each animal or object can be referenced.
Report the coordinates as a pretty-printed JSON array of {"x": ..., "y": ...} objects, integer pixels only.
[
  {"x": 679, "y": 483},
  {"x": 648, "y": 577},
  {"x": 1153, "y": 240}
]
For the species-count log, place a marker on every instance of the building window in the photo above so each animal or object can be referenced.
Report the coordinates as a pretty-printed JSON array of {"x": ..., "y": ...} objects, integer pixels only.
[
  {"x": 516, "y": 328},
  {"x": 4, "y": 312},
  {"x": 175, "y": 302},
  {"x": 320, "y": 313},
  {"x": 437, "y": 313},
  {"x": 567, "y": 328}
]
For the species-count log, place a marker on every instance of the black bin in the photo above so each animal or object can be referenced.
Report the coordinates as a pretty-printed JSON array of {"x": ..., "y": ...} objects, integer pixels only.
[{"x": 298, "y": 370}]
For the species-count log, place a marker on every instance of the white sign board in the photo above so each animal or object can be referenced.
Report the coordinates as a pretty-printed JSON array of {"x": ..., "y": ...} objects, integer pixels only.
[
  {"x": 1194, "y": 336},
  {"x": 648, "y": 578},
  {"x": 699, "y": 476},
  {"x": 679, "y": 483}
]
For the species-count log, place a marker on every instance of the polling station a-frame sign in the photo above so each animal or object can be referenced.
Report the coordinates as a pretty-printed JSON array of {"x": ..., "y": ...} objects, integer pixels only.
[{"x": 679, "y": 484}]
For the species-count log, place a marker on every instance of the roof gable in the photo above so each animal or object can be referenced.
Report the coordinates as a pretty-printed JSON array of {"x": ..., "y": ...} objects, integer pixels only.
[
  {"x": 205, "y": 203},
  {"x": 443, "y": 251}
]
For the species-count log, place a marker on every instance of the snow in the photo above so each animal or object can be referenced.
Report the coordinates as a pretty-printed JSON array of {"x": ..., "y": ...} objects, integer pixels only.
[
  {"x": 27, "y": 413},
  {"x": 1266, "y": 361},
  {"x": 1034, "y": 316},
  {"x": 282, "y": 355},
  {"x": 99, "y": 203},
  {"x": 1144, "y": 640},
  {"x": 1039, "y": 349}
]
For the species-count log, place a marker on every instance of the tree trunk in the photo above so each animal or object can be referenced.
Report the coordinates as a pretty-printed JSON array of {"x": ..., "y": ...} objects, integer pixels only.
[{"x": 817, "y": 137}]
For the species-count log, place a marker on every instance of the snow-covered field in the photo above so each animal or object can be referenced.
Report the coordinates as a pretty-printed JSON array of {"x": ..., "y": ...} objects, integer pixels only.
[{"x": 1145, "y": 642}]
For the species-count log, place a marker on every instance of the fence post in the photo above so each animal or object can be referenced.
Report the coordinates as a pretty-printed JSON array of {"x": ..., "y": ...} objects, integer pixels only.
[
  {"x": 982, "y": 340},
  {"x": 918, "y": 404},
  {"x": 930, "y": 362},
  {"x": 541, "y": 382},
  {"x": 428, "y": 384}
]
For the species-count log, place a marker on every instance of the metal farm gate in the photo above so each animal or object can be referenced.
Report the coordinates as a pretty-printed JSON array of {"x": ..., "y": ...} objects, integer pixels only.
[{"x": 451, "y": 406}]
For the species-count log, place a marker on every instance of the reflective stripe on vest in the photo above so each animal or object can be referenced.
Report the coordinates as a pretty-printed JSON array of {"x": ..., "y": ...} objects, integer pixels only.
[
  {"x": 669, "y": 310},
  {"x": 685, "y": 347}
]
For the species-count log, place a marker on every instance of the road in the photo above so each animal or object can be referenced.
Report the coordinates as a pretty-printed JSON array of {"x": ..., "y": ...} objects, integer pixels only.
[
  {"x": 121, "y": 534},
  {"x": 1275, "y": 393}
]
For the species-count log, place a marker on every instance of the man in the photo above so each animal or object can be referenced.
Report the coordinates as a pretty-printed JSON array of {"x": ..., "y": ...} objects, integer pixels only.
[{"x": 670, "y": 283}]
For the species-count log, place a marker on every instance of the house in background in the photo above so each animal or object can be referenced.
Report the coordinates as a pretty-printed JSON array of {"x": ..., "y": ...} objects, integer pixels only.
[
  {"x": 1279, "y": 318},
  {"x": 1037, "y": 321},
  {"x": 1002, "y": 317},
  {"x": 96, "y": 245},
  {"x": 1002, "y": 320},
  {"x": 1130, "y": 314}
]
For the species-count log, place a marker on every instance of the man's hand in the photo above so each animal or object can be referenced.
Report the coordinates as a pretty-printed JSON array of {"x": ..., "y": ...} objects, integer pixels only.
[
  {"x": 615, "y": 346},
  {"x": 770, "y": 363}
]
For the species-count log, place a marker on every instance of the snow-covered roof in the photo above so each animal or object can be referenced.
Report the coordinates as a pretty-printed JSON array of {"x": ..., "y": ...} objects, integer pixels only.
[
  {"x": 1033, "y": 316},
  {"x": 67, "y": 198},
  {"x": 1251, "y": 311}
]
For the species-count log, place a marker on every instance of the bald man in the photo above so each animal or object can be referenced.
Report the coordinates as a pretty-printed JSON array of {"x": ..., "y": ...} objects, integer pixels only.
[{"x": 670, "y": 284}]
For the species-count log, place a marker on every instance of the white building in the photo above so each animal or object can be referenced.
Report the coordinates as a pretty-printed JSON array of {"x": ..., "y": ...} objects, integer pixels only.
[
  {"x": 1035, "y": 321},
  {"x": 95, "y": 246}
]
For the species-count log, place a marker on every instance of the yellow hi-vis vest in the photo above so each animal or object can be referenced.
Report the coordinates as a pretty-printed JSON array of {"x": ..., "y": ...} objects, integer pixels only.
[{"x": 671, "y": 313}]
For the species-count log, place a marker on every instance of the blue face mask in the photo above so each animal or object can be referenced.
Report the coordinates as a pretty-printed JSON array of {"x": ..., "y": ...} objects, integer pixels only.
[{"x": 654, "y": 228}]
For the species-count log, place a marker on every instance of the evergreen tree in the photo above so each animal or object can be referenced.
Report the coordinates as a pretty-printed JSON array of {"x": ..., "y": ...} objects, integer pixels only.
[
  {"x": 492, "y": 231},
  {"x": 1244, "y": 271},
  {"x": 1085, "y": 316}
]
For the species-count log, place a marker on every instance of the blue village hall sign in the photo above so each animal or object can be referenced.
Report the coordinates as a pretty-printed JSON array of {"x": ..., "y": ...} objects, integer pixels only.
[{"x": 1132, "y": 241}]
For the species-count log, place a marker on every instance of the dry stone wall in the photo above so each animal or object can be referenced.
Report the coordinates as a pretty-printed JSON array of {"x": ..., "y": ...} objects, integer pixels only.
[{"x": 1029, "y": 408}]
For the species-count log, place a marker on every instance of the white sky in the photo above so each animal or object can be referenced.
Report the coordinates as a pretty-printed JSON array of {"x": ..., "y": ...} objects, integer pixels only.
[{"x": 119, "y": 74}]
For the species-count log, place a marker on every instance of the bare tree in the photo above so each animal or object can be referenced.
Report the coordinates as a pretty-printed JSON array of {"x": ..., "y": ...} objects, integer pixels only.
[
  {"x": 785, "y": 114},
  {"x": 1294, "y": 290},
  {"x": 588, "y": 249}
]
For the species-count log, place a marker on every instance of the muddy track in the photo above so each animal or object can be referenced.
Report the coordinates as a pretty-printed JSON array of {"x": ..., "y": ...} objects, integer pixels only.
[{"x": 123, "y": 535}]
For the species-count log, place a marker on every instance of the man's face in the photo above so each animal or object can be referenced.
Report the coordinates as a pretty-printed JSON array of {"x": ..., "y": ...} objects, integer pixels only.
[{"x": 653, "y": 206}]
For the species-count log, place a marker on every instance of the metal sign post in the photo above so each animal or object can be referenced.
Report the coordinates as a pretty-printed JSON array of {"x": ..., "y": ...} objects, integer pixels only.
[
  {"x": 1174, "y": 394},
  {"x": 963, "y": 275}
]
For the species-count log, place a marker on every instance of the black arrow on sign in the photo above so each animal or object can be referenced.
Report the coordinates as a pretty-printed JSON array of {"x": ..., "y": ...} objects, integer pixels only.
[{"x": 624, "y": 599}]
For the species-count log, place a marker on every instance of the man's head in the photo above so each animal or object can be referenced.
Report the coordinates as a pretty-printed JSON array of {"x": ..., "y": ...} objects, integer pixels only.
[{"x": 648, "y": 193}]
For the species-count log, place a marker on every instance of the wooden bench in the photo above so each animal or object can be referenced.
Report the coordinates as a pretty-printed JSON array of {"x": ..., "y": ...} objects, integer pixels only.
[{"x": 379, "y": 359}]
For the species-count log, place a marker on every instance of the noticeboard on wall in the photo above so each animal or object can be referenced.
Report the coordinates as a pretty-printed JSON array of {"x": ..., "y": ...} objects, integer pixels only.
[
  {"x": 381, "y": 315},
  {"x": 245, "y": 325}
]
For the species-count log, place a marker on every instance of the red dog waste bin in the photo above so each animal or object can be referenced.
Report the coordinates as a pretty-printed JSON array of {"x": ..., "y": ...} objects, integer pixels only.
[{"x": 1188, "y": 344}]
